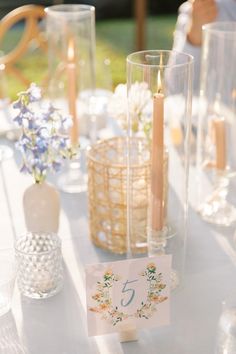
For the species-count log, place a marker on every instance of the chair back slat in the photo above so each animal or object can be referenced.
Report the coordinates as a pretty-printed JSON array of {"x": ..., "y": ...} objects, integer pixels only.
[{"x": 31, "y": 15}]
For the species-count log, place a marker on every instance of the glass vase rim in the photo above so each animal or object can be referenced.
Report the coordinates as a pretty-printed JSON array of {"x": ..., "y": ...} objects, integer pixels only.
[
  {"x": 74, "y": 9},
  {"x": 159, "y": 51},
  {"x": 106, "y": 162},
  {"x": 221, "y": 27},
  {"x": 33, "y": 253}
]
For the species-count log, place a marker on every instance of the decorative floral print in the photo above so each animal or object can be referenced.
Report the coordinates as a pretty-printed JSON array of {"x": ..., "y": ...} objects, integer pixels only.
[{"x": 111, "y": 313}]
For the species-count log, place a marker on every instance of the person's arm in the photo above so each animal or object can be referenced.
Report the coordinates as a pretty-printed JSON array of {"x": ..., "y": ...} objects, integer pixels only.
[
  {"x": 203, "y": 11},
  {"x": 185, "y": 27}
]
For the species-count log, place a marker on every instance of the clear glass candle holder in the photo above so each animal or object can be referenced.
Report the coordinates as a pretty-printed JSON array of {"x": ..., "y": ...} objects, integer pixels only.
[
  {"x": 159, "y": 85},
  {"x": 216, "y": 143},
  {"x": 107, "y": 194},
  {"x": 10, "y": 342},
  {"x": 5, "y": 151},
  {"x": 226, "y": 329},
  {"x": 39, "y": 259},
  {"x": 7, "y": 279},
  {"x": 71, "y": 48}
]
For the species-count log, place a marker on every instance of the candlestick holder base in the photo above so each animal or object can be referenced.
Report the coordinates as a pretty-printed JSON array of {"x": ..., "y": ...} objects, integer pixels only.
[
  {"x": 74, "y": 179},
  {"x": 157, "y": 241},
  {"x": 216, "y": 209},
  {"x": 157, "y": 246}
]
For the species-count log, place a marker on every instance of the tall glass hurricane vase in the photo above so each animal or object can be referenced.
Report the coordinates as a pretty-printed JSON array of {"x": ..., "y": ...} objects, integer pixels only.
[
  {"x": 217, "y": 125},
  {"x": 71, "y": 38},
  {"x": 5, "y": 150},
  {"x": 159, "y": 115}
]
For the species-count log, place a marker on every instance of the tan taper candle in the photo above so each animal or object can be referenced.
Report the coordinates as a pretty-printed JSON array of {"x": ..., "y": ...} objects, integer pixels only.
[
  {"x": 220, "y": 142},
  {"x": 72, "y": 91},
  {"x": 157, "y": 166}
]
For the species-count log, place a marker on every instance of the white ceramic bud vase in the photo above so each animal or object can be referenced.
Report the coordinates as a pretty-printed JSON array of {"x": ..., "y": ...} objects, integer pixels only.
[{"x": 41, "y": 204}]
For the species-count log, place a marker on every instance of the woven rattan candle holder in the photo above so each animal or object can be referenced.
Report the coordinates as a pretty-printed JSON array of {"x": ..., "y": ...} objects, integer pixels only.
[{"x": 107, "y": 193}]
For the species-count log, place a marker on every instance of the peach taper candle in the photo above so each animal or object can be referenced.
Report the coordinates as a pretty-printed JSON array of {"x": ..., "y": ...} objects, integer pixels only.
[
  {"x": 220, "y": 141},
  {"x": 157, "y": 165},
  {"x": 72, "y": 91}
]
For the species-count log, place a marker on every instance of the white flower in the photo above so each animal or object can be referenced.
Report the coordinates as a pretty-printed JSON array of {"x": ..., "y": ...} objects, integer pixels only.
[
  {"x": 140, "y": 97},
  {"x": 139, "y": 105},
  {"x": 117, "y": 107}
]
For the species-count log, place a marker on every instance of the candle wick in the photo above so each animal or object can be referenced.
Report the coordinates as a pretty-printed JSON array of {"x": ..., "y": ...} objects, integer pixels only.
[{"x": 159, "y": 82}]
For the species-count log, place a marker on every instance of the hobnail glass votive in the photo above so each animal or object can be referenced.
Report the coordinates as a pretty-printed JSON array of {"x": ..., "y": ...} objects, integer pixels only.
[{"x": 39, "y": 259}]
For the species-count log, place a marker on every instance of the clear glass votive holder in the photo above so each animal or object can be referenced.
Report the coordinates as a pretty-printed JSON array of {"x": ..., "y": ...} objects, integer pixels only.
[
  {"x": 39, "y": 260},
  {"x": 159, "y": 92},
  {"x": 216, "y": 140},
  {"x": 7, "y": 280}
]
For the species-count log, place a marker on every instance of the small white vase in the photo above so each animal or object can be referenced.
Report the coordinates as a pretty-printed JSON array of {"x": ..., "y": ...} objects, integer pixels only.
[{"x": 41, "y": 204}]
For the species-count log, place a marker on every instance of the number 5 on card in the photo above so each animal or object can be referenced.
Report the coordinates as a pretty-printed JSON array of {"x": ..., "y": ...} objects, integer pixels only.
[{"x": 136, "y": 290}]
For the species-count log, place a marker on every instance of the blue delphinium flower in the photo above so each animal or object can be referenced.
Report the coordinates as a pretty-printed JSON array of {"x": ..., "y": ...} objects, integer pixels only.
[
  {"x": 34, "y": 93},
  {"x": 43, "y": 142}
]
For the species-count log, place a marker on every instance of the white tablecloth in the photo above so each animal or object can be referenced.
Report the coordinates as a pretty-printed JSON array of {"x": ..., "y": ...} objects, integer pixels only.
[{"x": 58, "y": 325}]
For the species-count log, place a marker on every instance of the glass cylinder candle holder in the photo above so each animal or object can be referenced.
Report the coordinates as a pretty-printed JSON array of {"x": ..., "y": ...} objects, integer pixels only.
[
  {"x": 159, "y": 88},
  {"x": 107, "y": 194},
  {"x": 71, "y": 48},
  {"x": 5, "y": 151},
  {"x": 226, "y": 331},
  {"x": 7, "y": 279},
  {"x": 216, "y": 143}
]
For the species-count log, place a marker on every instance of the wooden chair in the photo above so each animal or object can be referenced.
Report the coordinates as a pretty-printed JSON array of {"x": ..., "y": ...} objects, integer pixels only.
[{"x": 31, "y": 15}]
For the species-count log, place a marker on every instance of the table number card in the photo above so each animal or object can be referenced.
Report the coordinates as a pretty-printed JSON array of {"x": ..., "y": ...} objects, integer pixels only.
[{"x": 133, "y": 292}]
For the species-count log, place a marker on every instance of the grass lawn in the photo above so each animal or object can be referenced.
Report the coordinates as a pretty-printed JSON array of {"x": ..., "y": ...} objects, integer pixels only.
[{"x": 115, "y": 40}]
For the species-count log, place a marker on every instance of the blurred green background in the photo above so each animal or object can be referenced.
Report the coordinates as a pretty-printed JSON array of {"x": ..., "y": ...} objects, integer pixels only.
[{"x": 115, "y": 40}]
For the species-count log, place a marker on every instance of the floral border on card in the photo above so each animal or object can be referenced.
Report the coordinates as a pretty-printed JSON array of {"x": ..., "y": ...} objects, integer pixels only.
[{"x": 111, "y": 313}]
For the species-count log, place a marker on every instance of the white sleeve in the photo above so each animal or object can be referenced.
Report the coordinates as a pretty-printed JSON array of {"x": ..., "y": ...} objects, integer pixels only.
[{"x": 181, "y": 43}]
